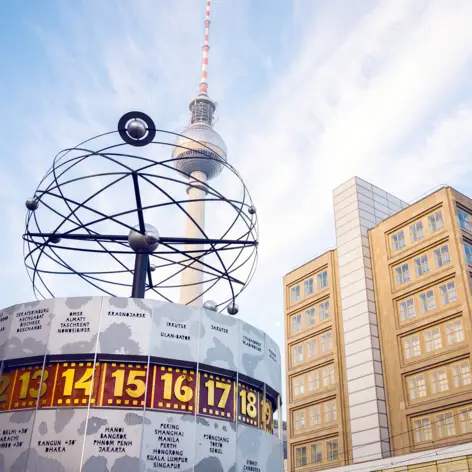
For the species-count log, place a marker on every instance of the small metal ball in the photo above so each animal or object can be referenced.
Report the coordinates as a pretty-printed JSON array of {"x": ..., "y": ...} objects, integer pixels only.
[
  {"x": 152, "y": 267},
  {"x": 136, "y": 129},
  {"x": 233, "y": 309},
  {"x": 146, "y": 242},
  {"x": 54, "y": 239},
  {"x": 210, "y": 305},
  {"x": 32, "y": 204},
  {"x": 251, "y": 210}
]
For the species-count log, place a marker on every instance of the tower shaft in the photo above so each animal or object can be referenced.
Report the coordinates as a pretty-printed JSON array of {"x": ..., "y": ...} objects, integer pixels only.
[
  {"x": 192, "y": 278},
  {"x": 200, "y": 158}
]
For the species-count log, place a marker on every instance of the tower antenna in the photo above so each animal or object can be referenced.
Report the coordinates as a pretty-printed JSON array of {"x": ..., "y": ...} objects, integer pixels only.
[{"x": 206, "y": 48}]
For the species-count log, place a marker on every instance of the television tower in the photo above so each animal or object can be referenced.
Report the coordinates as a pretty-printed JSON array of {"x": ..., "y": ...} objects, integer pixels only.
[{"x": 199, "y": 153}]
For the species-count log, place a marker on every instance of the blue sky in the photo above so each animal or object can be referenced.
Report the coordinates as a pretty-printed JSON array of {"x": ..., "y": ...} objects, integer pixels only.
[{"x": 310, "y": 93}]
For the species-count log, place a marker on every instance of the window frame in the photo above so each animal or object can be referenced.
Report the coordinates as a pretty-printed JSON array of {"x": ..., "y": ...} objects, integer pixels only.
[
  {"x": 398, "y": 240},
  {"x": 301, "y": 459},
  {"x": 402, "y": 273},
  {"x": 454, "y": 331},
  {"x": 324, "y": 310},
  {"x": 415, "y": 229},
  {"x": 407, "y": 309},
  {"x": 413, "y": 347},
  {"x": 299, "y": 324},
  {"x": 444, "y": 418},
  {"x": 310, "y": 314},
  {"x": 297, "y": 297},
  {"x": 299, "y": 348},
  {"x": 336, "y": 457},
  {"x": 467, "y": 220},
  {"x": 433, "y": 220},
  {"x": 421, "y": 264},
  {"x": 322, "y": 280},
  {"x": 309, "y": 286},
  {"x": 423, "y": 429}
]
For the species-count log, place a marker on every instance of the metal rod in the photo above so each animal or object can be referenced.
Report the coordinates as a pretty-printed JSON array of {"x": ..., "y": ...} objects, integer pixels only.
[
  {"x": 163, "y": 239},
  {"x": 139, "y": 276}
]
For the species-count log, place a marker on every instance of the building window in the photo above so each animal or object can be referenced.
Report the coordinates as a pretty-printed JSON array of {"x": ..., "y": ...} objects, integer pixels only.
[
  {"x": 427, "y": 301},
  {"x": 454, "y": 332},
  {"x": 465, "y": 419},
  {"x": 441, "y": 256},
  {"x": 313, "y": 381},
  {"x": 324, "y": 310},
  {"x": 407, "y": 309},
  {"x": 296, "y": 323},
  {"x": 316, "y": 453},
  {"x": 295, "y": 294},
  {"x": 328, "y": 375},
  {"x": 432, "y": 339},
  {"x": 435, "y": 221},
  {"x": 322, "y": 280},
  {"x": 300, "y": 456},
  {"x": 297, "y": 354},
  {"x": 332, "y": 451},
  {"x": 327, "y": 342},
  {"x": 464, "y": 220},
  {"x": 448, "y": 293},
  {"x": 421, "y": 265},
  {"x": 299, "y": 420},
  {"x": 398, "y": 241},
  {"x": 461, "y": 374},
  {"x": 311, "y": 348},
  {"x": 468, "y": 252},
  {"x": 417, "y": 387},
  {"x": 308, "y": 286},
  {"x": 411, "y": 346},
  {"x": 298, "y": 386},
  {"x": 445, "y": 425},
  {"x": 310, "y": 316},
  {"x": 439, "y": 381},
  {"x": 402, "y": 274},
  {"x": 330, "y": 412},
  {"x": 422, "y": 428},
  {"x": 315, "y": 415},
  {"x": 416, "y": 231}
]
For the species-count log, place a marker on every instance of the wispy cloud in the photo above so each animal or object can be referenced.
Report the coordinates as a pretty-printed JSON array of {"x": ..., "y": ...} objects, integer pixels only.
[{"x": 321, "y": 92}]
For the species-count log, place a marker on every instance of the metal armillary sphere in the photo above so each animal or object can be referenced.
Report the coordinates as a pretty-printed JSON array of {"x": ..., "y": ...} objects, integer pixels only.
[{"x": 109, "y": 212}]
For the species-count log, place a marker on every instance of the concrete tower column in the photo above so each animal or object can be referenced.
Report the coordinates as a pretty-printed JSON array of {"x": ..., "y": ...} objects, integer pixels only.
[{"x": 196, "y": 209}]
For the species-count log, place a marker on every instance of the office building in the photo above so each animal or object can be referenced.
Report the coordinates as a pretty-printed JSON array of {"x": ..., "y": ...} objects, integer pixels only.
[{"x": 378, "y": 335}]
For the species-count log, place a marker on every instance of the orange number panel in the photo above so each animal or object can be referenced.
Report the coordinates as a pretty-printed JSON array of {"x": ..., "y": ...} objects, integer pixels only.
[
  {"x": 123, "y": 385},
  {"x": 174, "y": 389},
  {"x": 267, "y": 415},
  {"x": 30, "y": 384},
  {"x": 76, "y": 384},
  {"x": 216, "y": 396},
  {"x": 6, "y": 388},
  {"x": 248, "y": 404}
]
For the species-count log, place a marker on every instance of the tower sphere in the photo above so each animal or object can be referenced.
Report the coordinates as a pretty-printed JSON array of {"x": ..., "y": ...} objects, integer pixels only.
[
  {"x": 200, "y": 149},
  {"x": 146, "y": 242}
]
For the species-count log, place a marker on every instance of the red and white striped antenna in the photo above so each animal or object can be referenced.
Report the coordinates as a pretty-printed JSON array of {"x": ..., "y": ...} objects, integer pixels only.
[{"x": 206, "y": 47}]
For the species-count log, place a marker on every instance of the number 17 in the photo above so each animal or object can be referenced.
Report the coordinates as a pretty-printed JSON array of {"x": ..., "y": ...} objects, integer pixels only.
[{"x": 226, "y": 387}]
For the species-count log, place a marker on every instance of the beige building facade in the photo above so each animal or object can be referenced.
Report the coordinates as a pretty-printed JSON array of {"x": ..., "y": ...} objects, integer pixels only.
[{"x": 378, "y": 334}]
